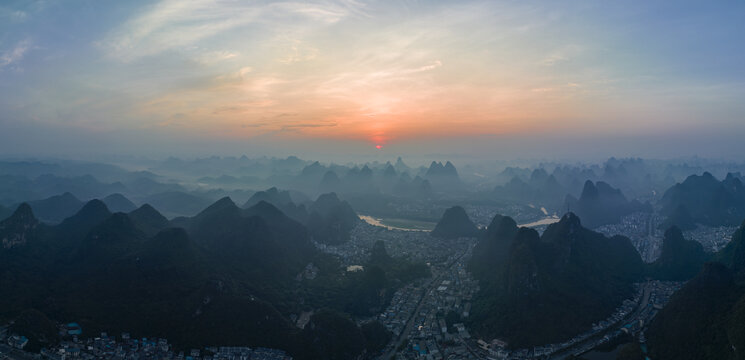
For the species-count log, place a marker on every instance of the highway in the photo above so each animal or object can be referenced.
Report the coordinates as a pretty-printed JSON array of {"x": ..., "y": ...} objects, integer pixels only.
[{"x": 590, "y": 343}]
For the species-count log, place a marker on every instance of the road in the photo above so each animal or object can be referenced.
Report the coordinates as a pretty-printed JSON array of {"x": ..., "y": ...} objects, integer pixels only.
[
  {"x": 410, "y": 323},
  {"x": 590, "y": 343},
  {"x": 9, "y": 353}
]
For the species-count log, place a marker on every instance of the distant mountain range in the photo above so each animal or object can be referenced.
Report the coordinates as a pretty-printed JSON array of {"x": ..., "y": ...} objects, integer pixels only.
[
  {"x": 444, "y": 177},
  {"x": 328, "y": 218},
  {"x": 600, "y": 204},
  {"x": 59, "y": 207},
  {"x": 282, "y": 200},
  {"x": 176, "y": 203},
  {"x": 17, "y": 188},
  {"x": 56, "y": 208},
  {"x": 541, "y": 189},
  {"x": 118, "y": 203},
  {"x": 548, "y": 184}
]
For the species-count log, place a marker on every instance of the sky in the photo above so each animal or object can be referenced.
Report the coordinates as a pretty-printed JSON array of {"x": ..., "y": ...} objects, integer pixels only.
[{"x": 484, "y": 78}]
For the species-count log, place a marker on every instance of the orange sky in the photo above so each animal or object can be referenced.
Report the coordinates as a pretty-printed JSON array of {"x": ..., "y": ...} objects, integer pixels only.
[{"x": 379, "y": 73}]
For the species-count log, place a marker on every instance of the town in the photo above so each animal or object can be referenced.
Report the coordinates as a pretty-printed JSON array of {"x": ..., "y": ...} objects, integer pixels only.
[{"x": 107, "y": 346}]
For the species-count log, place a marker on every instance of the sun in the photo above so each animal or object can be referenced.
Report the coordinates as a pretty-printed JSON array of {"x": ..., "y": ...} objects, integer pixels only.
[{"x": 378, "y": 147}]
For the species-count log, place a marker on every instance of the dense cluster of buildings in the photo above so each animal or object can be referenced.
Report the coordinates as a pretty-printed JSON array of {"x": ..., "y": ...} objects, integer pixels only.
[
  {"x": 646, "y": 235},
  {"x": 402, "y": 306},
  {"x": 438, "y": 331},
  {"x": 643, "y": 231},
  {"x": 711, "y": 238},
  {"x": 418, "y": 312},
  {"x": 416, "y": 245},
  {"x": 126, "y": 347}
]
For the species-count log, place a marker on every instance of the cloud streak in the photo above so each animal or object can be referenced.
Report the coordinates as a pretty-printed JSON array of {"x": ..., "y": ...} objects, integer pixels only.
[
  {"x": 15, "y": 54},
  {"x": 176, "y": 25}
]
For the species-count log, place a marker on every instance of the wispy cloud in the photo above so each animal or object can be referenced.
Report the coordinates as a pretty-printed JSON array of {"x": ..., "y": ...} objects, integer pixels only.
[
  {"x": 563, "y": 54},
  {"x": 212, "y": 57},
  {"x": 13, "y": 15},
  {"x": 299, "y": 52},
  {"x": 292, "y": 126},
  {"x": 174, "y": 24},
  {"x": 15, "y": 54}
]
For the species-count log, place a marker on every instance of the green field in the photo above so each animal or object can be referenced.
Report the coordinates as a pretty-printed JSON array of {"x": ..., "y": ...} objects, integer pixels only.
[{"x": 408, "y": 224}]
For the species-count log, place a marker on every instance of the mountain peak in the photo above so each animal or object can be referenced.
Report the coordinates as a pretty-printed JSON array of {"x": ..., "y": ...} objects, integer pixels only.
[
  {"x": 570, "y": 219},
  {"x": 455, "y": 223},
  {"x": 119, "y": 203},
  {"x": 148, "y": 219},
  {"x": 272, "y": 195},
  {"x": 92, "y": 213},
  {"x": 589, "y": 191},
  {"x": 16, "y": 229},
  {"x": 680, "y": 258},
  {"x": 733, "y": 255},
  {"x": 539, "y": 174},
  {"x": 23, "y": 213},
  {"x": 601, "y": 204},
  {"x": 731, "y": 176},
  {"x": 501, "y": 226},
  {"x": 93, "y": 207},
  {"x": 400, "y": 165},
  {"x": 330, "y": 219},
  {"x": 223, "y": 204},
  {"x": 328, "y": 197},
  {"x": 389, "y": 171},
  {"x": 264, "y": 209},
  {"x": 56, "y": 208},
  {"x": 146, "y": 209},
  {"x": 68, "y": 196},
  {"x": 330, "y": 175}
]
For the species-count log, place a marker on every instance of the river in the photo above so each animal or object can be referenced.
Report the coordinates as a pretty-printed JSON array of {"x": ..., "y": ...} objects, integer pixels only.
[
  {"x": 379, "y": 222},
  {"x": 545, "y": 221},
  {"x": 425, "y": 226}
]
